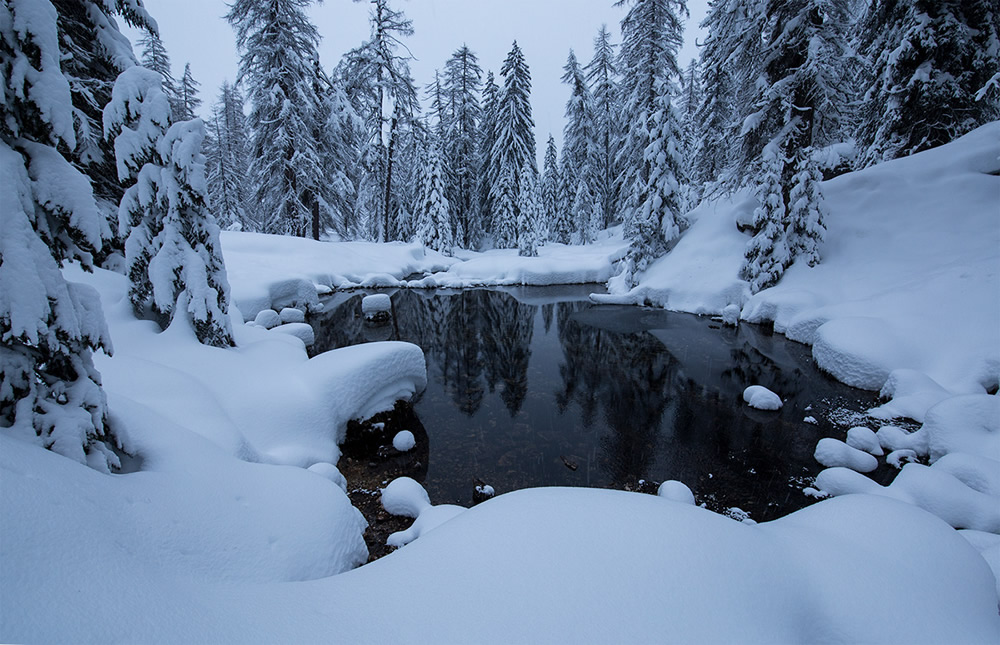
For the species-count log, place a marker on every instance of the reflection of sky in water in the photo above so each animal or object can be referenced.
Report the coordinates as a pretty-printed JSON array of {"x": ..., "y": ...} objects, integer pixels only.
[{"x": 526, "y": 382}]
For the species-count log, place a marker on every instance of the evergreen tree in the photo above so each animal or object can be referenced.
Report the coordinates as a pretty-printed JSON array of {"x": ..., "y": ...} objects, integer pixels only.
[
  {"x": 690, "y": 101},
  {"x": 514, "y": 148},
  {"x": 277, "y": 64},
  {"x": 767, "y": 253},
  {"x": 806, "y": 211},
  {"x": 800, "y": 105},
  {"x": 927, "y": 61},
  {"x": 550, "y": 194},
  {"x": 50, "y": 391},
  {"x": 155, "y": 57},
  {"x": 487, "y": 139},
  {"x": 227, "y": 162},
  {"x": 601, "y": 75},
  {"x": 651, "y": 35},
  {"x": 461, "y": 86},
  {"x": 529, "y": 214},
  {"x": 434, "y": 214},
  {"x": 580, "y": 153},
  {"x": 385, "y": 96},
  {"x": 172, "y": 241},
  {"x": 187, "y": 96},
  {"x": 340, "y": 128},
  {"x": 95, "y": 53}
]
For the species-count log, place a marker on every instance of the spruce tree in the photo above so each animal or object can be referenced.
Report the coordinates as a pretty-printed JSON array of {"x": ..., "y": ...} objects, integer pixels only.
[
  {"x": 601, "y": 78},
  {"x": 514, "y": 148},
  {"x": 550, "y": 193},
  {"x": 927, "y": 61},
  {"x": 487, "y": 166},
  {"x": 434, "y": 213},
  {"x": 172, "y": 248},
  {"x": 462, "y": 81},
  {"x": 50, "y": 391},
  {"x": 767, "y": 254},
  {"x": 187, "y": 96},
  {"x": 228, "y": 188},
  {"x": 529, "y": 213},
  {"x": 580, "y": 153},
  {"x": 277, "y": 64},
  {"x": 155, "y": 57}
]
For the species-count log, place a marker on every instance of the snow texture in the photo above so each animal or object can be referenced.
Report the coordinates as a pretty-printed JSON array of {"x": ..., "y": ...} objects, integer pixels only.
[
  {"x": 676, "y": 491},
  {"x": 404, "y": 441}
]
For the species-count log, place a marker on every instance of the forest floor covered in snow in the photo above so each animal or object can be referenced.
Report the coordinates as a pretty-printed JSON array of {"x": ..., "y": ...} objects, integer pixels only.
[{"x": 232, "y": 523}]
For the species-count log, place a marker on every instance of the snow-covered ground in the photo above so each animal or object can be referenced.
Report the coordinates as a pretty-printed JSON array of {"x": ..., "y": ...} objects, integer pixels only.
[{"x": 236, "y": 525}]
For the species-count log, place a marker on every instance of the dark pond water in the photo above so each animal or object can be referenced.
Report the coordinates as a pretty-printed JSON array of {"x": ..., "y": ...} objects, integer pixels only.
[{"x": 539, "y": 387}]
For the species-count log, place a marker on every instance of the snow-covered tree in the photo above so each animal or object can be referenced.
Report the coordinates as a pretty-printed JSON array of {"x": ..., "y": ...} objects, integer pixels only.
[
  {"x": 927, "y": 60},
  {"x": 549, "y": 189},
  {"x": 529, "y": 213},
  {"x": 172, "y": 248},
  {"x": 155, "y": 57},
  {"x": 514, "y": 148},
  {"x": 767, "y": 254},
  {"x": 434, "y": 212},
  {"x": 383, "y": 92},
  {"x": 187, "y": 96},
  {"x": 94, "y": 54},
  {"x": 806, "y": 211},
  {"x": 462, "y": 80},
  {"x": 277, "y": 66},
  {"x": 651, "y": 36},
  {"x": 50, "y": 391},
  {"x": 487, "y": 138},
  {"x": 340, "y": 129},
  {"x": 228, "y": 188},
  {"x": 690, "y": 100},
  {"x": 580, "y": 154},
  {"x": 601, "y": 78}
]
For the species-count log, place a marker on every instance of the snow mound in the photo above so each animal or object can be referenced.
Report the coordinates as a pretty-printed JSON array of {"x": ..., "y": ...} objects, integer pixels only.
[
  {"x": 912, "y": 393},
  {"x": 376, "y": 303},
  {"x": 864, "y": 439},
  {"x": 859, "y": 351},
  {"x": 289, "y": 315},
  {"x": 405, "y": 497},
  {"x": 330, "y": 472},
  {"x": 404, "y": 441},
  {"x": 267, "y": 318},
  {"x": 833, "y": 452},
  {"x": 676, "y": 491},
  {"x": 964, "y": 424},
  {"x": 302, "y": 331},
  {"x": 893, "y": 438},
  {"x": 897, "y": 458},
  {"x": 761, "y": 398}
]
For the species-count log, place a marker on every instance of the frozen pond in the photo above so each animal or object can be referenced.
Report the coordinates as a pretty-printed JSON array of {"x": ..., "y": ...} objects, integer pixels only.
[{"x": 535, "y": 386}]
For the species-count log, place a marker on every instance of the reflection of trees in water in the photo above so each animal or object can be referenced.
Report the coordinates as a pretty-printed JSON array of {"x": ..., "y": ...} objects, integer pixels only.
[
  {"x": 630, "y": 375},
  {"x": 506, "y": 339}
]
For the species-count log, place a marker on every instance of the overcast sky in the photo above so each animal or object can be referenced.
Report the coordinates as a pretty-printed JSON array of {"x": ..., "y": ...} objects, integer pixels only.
[{"x": 194, "y": 31}]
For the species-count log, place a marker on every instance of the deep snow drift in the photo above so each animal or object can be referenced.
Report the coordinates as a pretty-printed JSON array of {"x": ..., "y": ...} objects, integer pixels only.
[{"x": 236, "y": 524}]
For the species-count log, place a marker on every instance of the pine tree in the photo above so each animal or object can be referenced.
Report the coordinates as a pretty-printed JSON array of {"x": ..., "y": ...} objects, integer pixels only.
[
  {"x": 514, "y": 148},
  {"x": 580, "y": 153},
  {"x": 228, "y": 162},
  {"x": 50, "y": 391},
  {"x": 155, "y": 57},
  {"x": 767, "y": 254},
  {"x": 487, "y": 139},
  {"x": 927, "y": 61},
  {"x": 187, "y": 96},
  {"x": 601, "y": 75},
  {"x": 172, "y": 245},
  {"x": 95, "y": 53},
  {"x": 277, "y": 64},
  {"x": 529, "y": 213},
  {"x": 806, "y": 211},
  {"x": 651, "y": 35},
  {"x": 550, "y": 194},
  {"x": 340, "y": 126},
  {"x": 690, "y": 101},
  {"x": 434, "y": 214},
  {"x": 461, "y": 86}
]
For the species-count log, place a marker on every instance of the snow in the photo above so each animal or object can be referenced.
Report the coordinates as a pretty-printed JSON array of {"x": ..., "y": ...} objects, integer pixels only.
[
  {"x": 833, "y": 452},
  {"x": 376, "y": 303},
  {"x": 676, "y": 491},
  {"x": 267, "y": 318},
  {"x": 289, "y": 315},
  {"x": 897, "y": 458},
  {"x": 300, "y": 330},
  {"x": 761, "y": 398},
  {"x": 404, "y": 441},
  {"x": 407, "y": 498},
  {"x": 864, "y": 439}
]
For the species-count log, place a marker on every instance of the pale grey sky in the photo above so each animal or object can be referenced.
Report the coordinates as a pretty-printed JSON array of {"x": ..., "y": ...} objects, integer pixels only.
[{"x": 195, "y": 31}]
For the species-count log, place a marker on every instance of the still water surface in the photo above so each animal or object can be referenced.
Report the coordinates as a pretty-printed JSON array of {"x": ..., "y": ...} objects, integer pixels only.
[{"x": 536, "y": 386}]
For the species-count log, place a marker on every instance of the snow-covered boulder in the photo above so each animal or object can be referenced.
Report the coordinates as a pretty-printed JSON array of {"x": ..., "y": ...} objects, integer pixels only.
[
  {"x": 731, "y": 315},
  {"x": 964, "y": 424},
  {"x": 858, "y": 351},
  {"x": 268, "y": 319},
  {"x": 864, "y": 439},
  {"x": 898, "y": 458},
  {"x": 377, "y": 307},
  {"x": 761, "y": 398},
  {"x": 404, "y": 441},
  {"x": 300, "y": 330},
  {"x": 676, "y": 491},
  {"x": 291, "y": 315},
  {"x": 406, "y": 497},
  {"x": 331, "y": 472},
  {"x": 893, "y": 438},
  {"x": 833, "y": 452}
]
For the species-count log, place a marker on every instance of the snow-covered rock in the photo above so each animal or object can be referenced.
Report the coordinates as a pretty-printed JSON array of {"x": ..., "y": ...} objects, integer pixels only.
[
  {"x": 676, "y": 491},
  {"x": 378, "y": 303},
  {"x": 267, "y": 318},
  {"x": 833, "y": 452},
  {"x": 968, "y": 424},
  {"x": 404, "y": 496},
  {"x": 731, "y": 315},
  {"x": 404, "y": 441},
  {"x": 761, "y": 398},
  {"x": 859, "y": 351},
  {"x": 893, "y": 438},
  {"x": 302, "y": 331},
  {"x": 898, "y": 458},
  {"x": 290, "y": 315},
  {"x": 331, "y": 472},
  {"x": 864, "y": 439}
]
